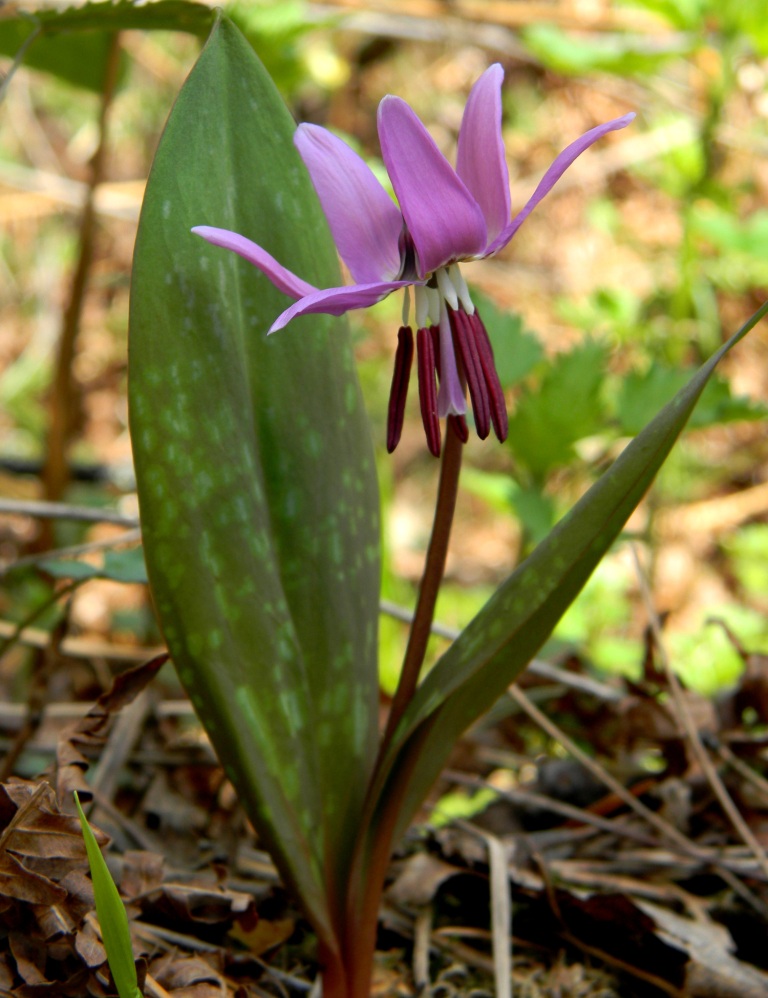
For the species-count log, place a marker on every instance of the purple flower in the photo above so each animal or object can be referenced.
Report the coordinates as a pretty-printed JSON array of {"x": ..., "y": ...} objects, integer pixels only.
[{"x": 444, "y": 216}]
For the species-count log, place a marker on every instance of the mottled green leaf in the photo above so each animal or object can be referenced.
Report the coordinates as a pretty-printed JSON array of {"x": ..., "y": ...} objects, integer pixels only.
[
  {"x": 518, "y": 619},
  {"x": 255, "y": 471}
]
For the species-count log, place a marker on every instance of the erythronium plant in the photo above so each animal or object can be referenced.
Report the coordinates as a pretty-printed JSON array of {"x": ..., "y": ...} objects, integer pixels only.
[
  {"x": 256, "y": 474},
  {"x": 444, "y": 216}
]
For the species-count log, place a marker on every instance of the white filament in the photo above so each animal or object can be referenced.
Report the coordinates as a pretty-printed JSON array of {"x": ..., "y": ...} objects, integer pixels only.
[
  {"x": 457, "y": 279},
  {"x": 447, "y": 289}
]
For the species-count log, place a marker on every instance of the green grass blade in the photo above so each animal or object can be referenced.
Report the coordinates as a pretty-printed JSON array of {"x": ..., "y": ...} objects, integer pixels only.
[{"x": 113, "y": 920}]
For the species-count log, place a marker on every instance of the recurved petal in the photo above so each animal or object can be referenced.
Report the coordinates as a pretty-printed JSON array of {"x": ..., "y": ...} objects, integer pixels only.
[
  {"x": 365, "y": 222},
  {"x": 337, "y": 301},
  {"x": 481, "y": 162},
  {"x": 442, "y": 216},
  {"x": 554, "y": 173},
  {"x": 283, "y": 279}
]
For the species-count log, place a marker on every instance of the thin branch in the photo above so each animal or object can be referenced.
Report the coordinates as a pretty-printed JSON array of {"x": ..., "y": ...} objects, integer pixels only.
[
  {"x": 70, "y": 647},
  {"x": 660, "y": 824},
  {"x": 56, "y": 472},
  {"x": 75, "y": 551},
  {"x": 22, "y": 51},
  {"x": 538, "y": 667},
  {"x": 689, "y": 725},
  {"x": 17, "y": 631},
  {"x": 63, "y": 511}
]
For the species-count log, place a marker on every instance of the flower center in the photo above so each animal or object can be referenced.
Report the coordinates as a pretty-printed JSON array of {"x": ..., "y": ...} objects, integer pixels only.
[{"x": 453, "y": 349}]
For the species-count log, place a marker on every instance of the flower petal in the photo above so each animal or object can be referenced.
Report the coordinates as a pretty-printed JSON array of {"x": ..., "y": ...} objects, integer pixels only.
[
  {"x": 443, "y": 218},
  {"x": 554, "y": 173},
  {"x": 365, "y": 222},
  {"x": 337, "y": 301},
  {"x": 481, "y": 162},
  {"x": 283, "y": 279}
]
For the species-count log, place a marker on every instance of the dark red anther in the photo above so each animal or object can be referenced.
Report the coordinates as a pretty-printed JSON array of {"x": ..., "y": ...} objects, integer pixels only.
[
  {"x": 425, "y": 362},
  {"x": 498, "y": 404},
  {"x": 459, "y": 426},
  {"x": 399, "y": 390},
  {"x": 464, "y": 337},
  {"x": 434, "y": 332}
]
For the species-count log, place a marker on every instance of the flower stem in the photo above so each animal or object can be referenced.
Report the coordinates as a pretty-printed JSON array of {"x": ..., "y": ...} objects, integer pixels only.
[
  {"x": 434, "y": 567},
  {"x": 374, "y": 845}
]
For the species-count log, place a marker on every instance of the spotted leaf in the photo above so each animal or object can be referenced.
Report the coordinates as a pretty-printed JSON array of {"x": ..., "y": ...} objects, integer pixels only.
[{"x": 255, "y": 472}]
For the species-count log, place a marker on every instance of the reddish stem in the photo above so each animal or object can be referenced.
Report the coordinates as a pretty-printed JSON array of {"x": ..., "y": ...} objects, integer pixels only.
[
  {"x": 369, "y": 866},
  {"x": 434, "y": 568}
]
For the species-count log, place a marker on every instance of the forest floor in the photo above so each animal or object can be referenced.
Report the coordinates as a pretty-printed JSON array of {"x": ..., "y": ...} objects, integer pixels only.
[{"x": 616, "y": 817}]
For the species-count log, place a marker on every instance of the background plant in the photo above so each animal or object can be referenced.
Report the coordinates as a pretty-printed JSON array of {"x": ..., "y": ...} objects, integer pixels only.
[{"x": 547, "y": 482}]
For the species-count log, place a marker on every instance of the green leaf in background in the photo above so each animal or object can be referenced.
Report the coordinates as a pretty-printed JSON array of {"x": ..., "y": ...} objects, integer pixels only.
[
  {"x": 78, "y": 59},
  {"x": 119, "y": 566},
  {"x": 747, "y": 551},
  {"x": 74, "y": 44},
  {"x": 113, "y": 921},
  {"x": 515, "y": 350},
  {"x": 565, "y": 406},
  {"x": 726, "y": 17},
  {"x": 625, "y": 55},
  {"x": 641, "y": 395},
  {"x": 275, "y": 30},
  {"x": 256, "y": 474},
  {"x": 533, "y": 507},
  {"x": 495, "y": 647},
  {"x": 730, "y": 234},
  {"x": 684, "y": 14}
]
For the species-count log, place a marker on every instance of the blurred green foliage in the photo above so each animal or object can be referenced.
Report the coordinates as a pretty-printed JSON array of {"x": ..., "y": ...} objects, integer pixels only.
[{"x": 572, "y": 411}]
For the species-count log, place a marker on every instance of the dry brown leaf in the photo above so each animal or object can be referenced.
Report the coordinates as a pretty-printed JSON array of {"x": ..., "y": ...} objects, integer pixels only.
[
  {"x": 90, "y": 733},
  {"x": 6, "y": 973},
  {"x": 265, "y": 935},
  {"x": 72, "y": 987},
  {"x": 713, "y": 971},
  {"x": 200, "y": 904},
  {"x": 613, "y": 927},
  {"x": 21, "y": 884},
  {"x": 90, "y": 947},
  {"x": 29, "y": 955},
  {"x": 177, "y": 974},
  {"x": 419, "y": 879},
  {"x": 143, "y": 871}
]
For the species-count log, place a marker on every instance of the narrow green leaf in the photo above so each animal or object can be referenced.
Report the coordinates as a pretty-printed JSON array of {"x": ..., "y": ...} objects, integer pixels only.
[
  {"x": 255, "y": 472},
  {"x": 113, "y": 920},
  {"x": 500, "y": 641}
]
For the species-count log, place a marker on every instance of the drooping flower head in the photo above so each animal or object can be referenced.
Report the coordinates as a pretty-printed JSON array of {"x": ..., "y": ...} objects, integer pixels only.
[{"x": 444, "y": 216}]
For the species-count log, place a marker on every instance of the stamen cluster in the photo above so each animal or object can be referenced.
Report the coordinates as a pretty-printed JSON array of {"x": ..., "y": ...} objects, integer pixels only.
[{"x": 446, "y": 316}]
